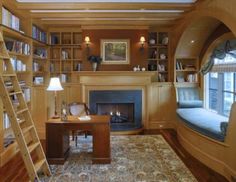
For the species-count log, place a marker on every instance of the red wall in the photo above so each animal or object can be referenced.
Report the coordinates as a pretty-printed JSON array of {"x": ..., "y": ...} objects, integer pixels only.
[{"x": 137, "y": 57}]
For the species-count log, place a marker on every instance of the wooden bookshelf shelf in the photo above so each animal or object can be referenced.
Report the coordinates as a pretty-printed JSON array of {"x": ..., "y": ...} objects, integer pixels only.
[
  {"x": 186, "y": 70},
  {"x": 17, "y": 54},
  {"x": 66, "y": 54},
  {"x": 158, "y": 54},
  {"x": 7, "y": 31}
]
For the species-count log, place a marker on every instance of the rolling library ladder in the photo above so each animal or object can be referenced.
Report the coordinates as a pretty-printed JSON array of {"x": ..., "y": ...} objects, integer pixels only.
[{"x": 20, "y": 118}]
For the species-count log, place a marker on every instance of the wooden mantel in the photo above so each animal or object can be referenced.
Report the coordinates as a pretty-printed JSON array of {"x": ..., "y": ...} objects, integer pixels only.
[{"x": 116, "y": 77}]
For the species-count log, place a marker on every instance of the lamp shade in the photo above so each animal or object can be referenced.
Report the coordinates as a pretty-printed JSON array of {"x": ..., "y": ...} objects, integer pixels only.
[
  {"x": 142, "y": 39},
  {"x": 54, "y": 84},
  {"x": 87, "y": 39}
]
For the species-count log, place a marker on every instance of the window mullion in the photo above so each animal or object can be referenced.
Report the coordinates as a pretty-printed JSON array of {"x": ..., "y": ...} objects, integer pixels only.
[{"x": 220, "y": 107}]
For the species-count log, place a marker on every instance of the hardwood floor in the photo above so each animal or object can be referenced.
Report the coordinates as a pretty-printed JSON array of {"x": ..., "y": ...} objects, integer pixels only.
[
  {"x": 15, "y": 171},
  {"x": 198, "y": 169}
]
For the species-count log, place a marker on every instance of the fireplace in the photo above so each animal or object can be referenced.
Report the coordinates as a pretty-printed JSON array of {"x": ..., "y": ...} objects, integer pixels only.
[{"x": 124, "y": 107}]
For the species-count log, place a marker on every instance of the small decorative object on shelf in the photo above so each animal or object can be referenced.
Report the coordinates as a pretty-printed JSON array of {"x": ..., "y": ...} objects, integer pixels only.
[
  {"x": 165, "y": 40},
  {"x": 95, "y": 60}
]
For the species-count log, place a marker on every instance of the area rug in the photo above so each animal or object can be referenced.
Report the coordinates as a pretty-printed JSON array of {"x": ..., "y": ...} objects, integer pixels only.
[{"x": 141, "y": 158}]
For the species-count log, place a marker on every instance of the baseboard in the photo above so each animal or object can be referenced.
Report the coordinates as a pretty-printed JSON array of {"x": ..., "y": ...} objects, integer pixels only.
[{"x": 161, "y": 125}]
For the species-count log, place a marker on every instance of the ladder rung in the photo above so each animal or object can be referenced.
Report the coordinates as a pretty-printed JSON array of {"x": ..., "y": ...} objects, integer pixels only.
[
  {"x": 9, "y": 75},
  {"x": 33, "y": 146},
  {"x": 39, "y": 164},
  {"x": 4, "y": 57},
  {"x": 15, "y": 93},
  {"x": 21, "y": 121},
  {"x": 26, "y": 129},
  {"x": 21, "y": 111}
]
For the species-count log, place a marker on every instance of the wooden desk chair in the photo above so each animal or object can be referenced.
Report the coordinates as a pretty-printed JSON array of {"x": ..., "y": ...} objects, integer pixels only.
[{"x": 78, "y": 109}]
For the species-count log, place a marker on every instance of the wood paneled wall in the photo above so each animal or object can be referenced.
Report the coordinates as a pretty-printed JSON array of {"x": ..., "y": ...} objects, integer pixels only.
[{"x": 137, "y": 57}]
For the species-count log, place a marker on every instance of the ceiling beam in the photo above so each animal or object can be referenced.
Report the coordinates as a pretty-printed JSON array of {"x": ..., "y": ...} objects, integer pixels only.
[
  {"x": 104, "y": 15},
  {"x": 102, "y": 6},
  {"x": 110, "y": 22}
]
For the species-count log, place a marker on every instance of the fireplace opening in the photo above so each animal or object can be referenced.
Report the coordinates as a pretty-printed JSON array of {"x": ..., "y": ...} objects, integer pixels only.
[
  {"x": 119, "y": 112},
  {"x": 124, "y": 106}
]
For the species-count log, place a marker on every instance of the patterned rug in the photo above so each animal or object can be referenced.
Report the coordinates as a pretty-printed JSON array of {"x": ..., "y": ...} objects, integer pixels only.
[{"x": 141, "y": 158}]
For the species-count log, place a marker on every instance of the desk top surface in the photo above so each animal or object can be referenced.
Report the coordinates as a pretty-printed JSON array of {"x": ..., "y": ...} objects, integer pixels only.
[{"x": 95, "y": 119}]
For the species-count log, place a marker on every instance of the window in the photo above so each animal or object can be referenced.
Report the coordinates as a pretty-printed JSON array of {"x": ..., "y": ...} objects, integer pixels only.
[
  {"x": 221, "y": 92},
  {"x": 220, "y": 83}
]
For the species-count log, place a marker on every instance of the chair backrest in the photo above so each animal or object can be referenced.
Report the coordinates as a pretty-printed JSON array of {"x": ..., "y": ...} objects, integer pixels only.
[{"x": 78, "y": 109}]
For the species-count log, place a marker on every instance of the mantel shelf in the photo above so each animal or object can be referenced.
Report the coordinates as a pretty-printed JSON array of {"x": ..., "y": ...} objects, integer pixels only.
[{"x": 116, "y": 73}]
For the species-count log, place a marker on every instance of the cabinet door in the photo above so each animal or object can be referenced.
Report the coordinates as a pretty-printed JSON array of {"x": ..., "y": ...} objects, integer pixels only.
[
  {"x": 39, "y": 109},
  {"x": 162, "y": 106}
]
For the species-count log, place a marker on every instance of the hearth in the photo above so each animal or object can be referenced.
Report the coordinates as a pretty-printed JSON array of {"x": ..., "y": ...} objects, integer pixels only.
[{"x": 124, "y": 107}]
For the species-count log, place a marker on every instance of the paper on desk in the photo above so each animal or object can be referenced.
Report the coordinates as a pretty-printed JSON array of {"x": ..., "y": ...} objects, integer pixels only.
[{"x": 84, "y": 118}]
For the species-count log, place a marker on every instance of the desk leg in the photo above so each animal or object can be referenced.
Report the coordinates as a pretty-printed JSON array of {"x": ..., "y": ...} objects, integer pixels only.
[{"x": 101, "y": 144}]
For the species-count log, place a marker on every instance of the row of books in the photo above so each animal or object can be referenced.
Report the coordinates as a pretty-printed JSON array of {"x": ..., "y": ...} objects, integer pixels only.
[
  {"x": 38, "y": 34},
  {"x": 161, "y": 67},
  {"x": 40, "y": 53},
  {"x": 22, "y": 83},
  {"x": 38, "y": 80},
  {"x": 6, "y": 121},
  {"x": 189, "y": 67},
  {"x": 189, "y": 78},
  {"x": 17, "y": 46},
  {"x": 192, "y": 78},
  {"x": 10, "y": 20},
  {"x": 64, "y": 55},
  {"x": 37, "y": 67},
  {"x": 63, "y": 78},
  {"x": 18, "y": 65}
]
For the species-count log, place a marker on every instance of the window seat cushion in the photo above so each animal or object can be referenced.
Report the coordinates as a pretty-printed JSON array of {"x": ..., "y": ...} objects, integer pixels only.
[
  {"x": 203, "y": 121},
  {"x": 190, "y": 104}
]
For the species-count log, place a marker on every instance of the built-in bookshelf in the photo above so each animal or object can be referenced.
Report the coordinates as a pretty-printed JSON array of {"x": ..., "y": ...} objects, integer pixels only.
[
  {"x": 39, "y": 34},
  {"x": 40, "y": 65},
  {"x": 20, "y": 50},
  {"x": 65, "y": 54},
  {"x": 186, "y": 70},
  {"x": 158, "y": 45}
]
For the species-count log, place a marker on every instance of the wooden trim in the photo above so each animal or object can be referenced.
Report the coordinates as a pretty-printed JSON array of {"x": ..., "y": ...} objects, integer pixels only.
[
  {"x": 110, "y": 27},
  {"x": 131, "y": 132}
]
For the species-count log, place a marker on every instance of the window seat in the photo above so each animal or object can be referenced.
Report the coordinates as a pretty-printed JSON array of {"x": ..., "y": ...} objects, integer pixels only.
[
  {"x": 203, "y": 133},
  {"x": 205, "y": 122}
]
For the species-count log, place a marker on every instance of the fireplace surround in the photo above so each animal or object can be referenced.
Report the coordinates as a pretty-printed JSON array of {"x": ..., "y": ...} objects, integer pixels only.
[{"x": 124, "y": 106}]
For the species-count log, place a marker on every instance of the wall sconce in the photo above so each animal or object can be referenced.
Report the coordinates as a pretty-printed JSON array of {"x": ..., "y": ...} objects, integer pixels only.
[
  {"x": 87, "y": 41},
  {"x": 142, "y": 42}
]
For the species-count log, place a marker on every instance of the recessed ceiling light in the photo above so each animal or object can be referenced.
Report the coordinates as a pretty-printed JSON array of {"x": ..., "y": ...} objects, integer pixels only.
[
  {"x": 106, "y": 11},
  {"x": 192, "y": 41}
]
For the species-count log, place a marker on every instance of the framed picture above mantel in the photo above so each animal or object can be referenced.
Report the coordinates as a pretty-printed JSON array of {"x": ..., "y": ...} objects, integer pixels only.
[{"x": 115, "y": 51}]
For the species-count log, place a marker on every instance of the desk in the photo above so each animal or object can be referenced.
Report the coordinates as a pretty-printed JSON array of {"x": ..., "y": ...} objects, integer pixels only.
[{"x": 57, "y": 138}]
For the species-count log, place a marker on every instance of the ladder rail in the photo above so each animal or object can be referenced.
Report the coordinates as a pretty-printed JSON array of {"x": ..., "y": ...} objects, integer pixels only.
[{"x": 25, "y": 126}]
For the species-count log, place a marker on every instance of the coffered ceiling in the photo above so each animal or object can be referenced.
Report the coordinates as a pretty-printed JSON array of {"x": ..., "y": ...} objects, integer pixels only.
[{"x": 108, "y": 12}]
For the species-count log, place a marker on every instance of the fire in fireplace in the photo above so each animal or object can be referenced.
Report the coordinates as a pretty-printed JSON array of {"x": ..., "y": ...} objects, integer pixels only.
[{"x": 120, "y": 112}]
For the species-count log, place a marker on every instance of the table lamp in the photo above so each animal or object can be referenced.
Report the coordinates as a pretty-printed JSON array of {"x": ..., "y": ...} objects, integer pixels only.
[{"x": 55, "y": 85}]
